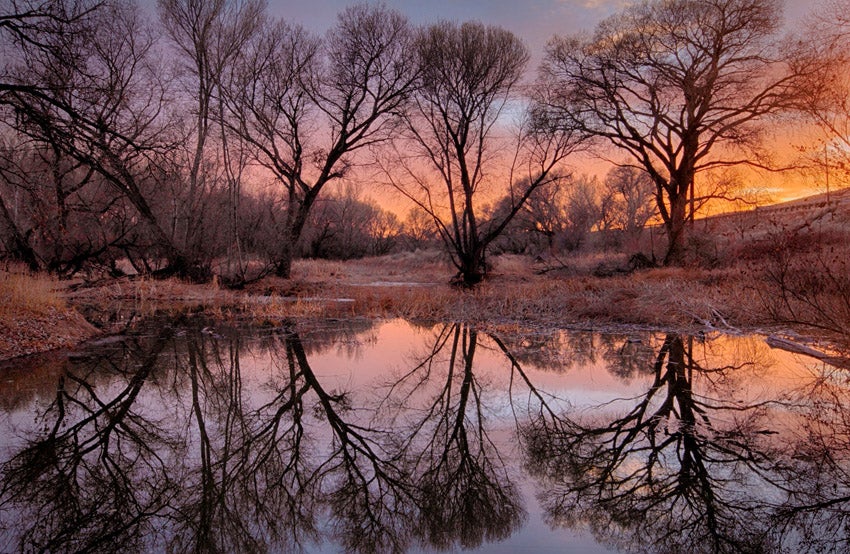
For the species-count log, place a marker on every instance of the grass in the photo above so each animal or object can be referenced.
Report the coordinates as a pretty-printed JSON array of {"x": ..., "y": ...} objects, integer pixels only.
[
  {"x": 24, "y": 293},
  {"x": 416, "y": 287},
  {"x": 35, "y": 317}
]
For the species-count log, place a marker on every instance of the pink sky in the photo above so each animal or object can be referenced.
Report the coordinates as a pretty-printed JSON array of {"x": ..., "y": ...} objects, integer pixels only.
[{"x": 536, "y": 21}]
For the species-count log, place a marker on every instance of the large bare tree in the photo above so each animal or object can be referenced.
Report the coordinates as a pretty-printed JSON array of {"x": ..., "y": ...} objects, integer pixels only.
[
  {"x": 470, "y": 75},
  {"x": 308, "y": 106},
  {"x": 680, "y": 85}
]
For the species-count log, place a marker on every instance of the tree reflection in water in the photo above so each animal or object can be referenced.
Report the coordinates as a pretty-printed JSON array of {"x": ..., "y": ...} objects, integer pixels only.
[
  {"x": 164, "y": 442},
  {"x": 675, "y": 471},
  {"x": 218, "y": 471},
  {"x": 815, "y": 471},
  {"x": 465, "y": 495},
  {"x": 99, "y": 467}
]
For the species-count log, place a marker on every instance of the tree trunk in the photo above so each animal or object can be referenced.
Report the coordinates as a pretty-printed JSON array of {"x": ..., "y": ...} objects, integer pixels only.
[
  {"x": 20, "y": 247},
  {"x": 283, "y": 266},
  {"x": 473, "y": 269},
  {"x": 676, "y": 231},
  {"x": 284, "y": 256}
]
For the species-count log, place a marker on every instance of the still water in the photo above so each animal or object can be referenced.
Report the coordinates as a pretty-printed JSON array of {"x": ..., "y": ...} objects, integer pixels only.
[{"x": 395, "y": 436}]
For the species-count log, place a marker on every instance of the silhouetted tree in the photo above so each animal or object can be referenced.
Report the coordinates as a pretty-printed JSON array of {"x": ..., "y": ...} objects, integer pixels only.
[
  {"x": 469, "y": 74},
  {"x": 680, "y": 86},
  {"x": 824, "y": 48},
  {"x": 306, "y": 107}
]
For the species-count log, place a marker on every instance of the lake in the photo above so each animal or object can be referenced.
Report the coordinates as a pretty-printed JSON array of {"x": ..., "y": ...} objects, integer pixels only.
[{"x": 399, "y": 436}]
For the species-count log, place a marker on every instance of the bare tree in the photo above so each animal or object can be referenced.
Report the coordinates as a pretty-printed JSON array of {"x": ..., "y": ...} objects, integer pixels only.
[
  {"x": 90, "y": 87},
  {"x": 680, "y": 86},
  {"x": 61, "y": 216},
  {"x": 207, "y": 37},
  {"x": 469, "y": 74},
  {"x": 307, "y": 107},
  {"x": 628, "y": 200}
]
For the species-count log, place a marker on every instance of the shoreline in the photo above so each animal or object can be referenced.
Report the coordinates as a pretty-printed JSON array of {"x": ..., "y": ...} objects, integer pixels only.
[{"x": 518, "y": 295}]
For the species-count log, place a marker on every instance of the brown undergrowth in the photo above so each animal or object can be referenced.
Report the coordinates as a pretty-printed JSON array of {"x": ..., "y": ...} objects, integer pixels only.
[
  {"x": 739, "y": 295},
  {"x": 34, "y": 316},
  {"x": 396, "y": 286}
]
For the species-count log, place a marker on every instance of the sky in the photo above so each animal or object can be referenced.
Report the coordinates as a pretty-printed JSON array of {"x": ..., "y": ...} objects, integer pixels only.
[{"x": 535, "y": 21}]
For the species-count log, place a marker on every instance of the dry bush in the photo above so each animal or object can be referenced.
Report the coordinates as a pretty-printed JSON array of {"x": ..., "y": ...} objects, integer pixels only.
[
  {"x": 802, "y": 277},
  {"x": 810, "y": 289}
]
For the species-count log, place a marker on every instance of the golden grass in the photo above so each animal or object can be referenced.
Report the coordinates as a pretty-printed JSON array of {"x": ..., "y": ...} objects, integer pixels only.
[
  {"x": 34, "y": 316},
  {"x": 22, "y": 293}
]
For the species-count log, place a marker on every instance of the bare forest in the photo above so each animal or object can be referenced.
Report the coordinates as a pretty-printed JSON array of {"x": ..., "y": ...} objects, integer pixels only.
[
  {"x": 210, "y": 143},
  {"x": 417, "y": 283}
]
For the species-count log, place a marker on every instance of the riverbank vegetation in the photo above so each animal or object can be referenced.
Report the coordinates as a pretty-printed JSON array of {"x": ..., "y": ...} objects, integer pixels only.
[
  {"x": 209, "y": 157},
  {"x": 780, "y": 277}
]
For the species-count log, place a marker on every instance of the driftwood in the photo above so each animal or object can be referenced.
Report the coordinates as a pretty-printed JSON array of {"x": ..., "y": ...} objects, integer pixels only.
[{"x": 782, "y": 343}]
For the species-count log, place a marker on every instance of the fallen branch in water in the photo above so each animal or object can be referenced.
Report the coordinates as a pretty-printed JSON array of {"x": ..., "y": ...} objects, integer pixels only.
[{"x": 775, "y": 341}]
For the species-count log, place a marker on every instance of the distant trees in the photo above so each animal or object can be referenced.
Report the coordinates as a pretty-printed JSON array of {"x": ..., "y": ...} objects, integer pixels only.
[
  {"x": 628, "y": 200},
  {"x": 563, "y": 218},
  {"x": 825, "y": 50},
  {"x": 468, "y": 74},
  {"x": 343, "y": 226},
  {"x": 679, "y": 85}
]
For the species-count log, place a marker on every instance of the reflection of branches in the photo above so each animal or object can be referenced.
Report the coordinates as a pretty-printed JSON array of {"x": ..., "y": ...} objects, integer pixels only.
[
  {"x": 629, "y": 357},
  {"x": 557, "y": 352},
  {"x": 661, "y": 473},
  {"x": 94, "y": 479},
  {"x": 247, "y": 490},
  {"x": 464, "y": 493},
  {"x": 816, "y": 473},
  {"x": 367, "y": 490}
]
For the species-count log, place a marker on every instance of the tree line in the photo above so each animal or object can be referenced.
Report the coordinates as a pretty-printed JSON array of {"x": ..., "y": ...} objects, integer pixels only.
[{"x": 214, "y": 138}]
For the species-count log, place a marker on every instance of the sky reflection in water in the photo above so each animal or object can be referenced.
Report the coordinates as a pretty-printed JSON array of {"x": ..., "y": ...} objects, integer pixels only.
[{"x": 394, "y": 436}]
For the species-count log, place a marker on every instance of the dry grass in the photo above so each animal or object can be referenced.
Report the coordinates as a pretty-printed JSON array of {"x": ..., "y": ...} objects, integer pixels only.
[
  {"x": 34, "y": 316},
  {"x": 429, "y": 266},
  {"x": 737, "y": 289},
  {"x": 416, "y": 287},
  {"x": 24, "y": 293}
]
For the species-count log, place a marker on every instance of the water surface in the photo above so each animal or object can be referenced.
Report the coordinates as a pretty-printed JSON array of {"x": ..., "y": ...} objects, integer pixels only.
[{"x": 385, "y": 436}]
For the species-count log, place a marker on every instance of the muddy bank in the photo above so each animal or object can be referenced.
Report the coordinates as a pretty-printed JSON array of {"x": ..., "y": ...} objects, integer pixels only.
[{"x": 27, "y": 333}]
